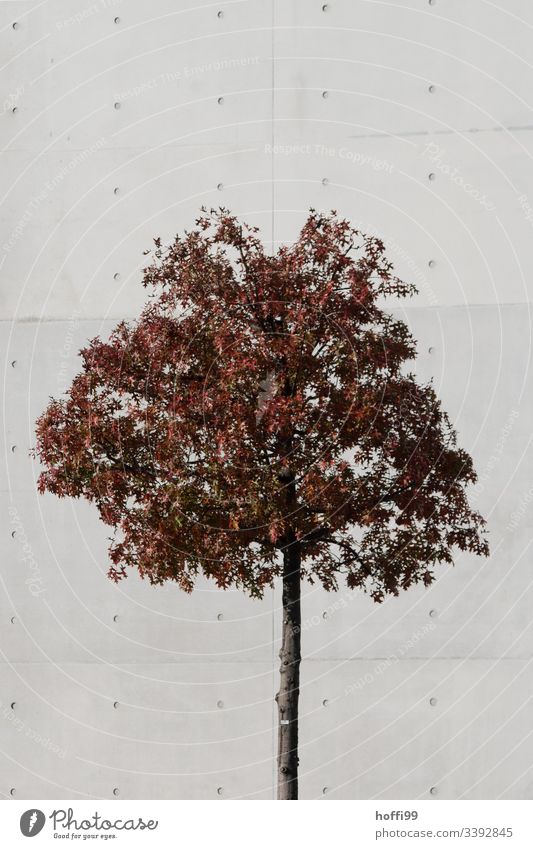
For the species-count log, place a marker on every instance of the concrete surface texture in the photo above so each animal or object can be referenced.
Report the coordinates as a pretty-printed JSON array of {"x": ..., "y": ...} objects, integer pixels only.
[{"x": 118, "y": 121}]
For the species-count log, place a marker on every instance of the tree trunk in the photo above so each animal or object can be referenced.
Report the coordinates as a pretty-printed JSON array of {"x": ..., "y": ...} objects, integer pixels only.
[{"x": 289, "y": 690}]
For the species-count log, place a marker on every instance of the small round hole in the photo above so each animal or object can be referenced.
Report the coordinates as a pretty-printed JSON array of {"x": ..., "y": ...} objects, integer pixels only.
[
  {"x": 432, "y": 613},
  {"x": 13, "y": 449},
  {"x": 325, "y": 181},
  {"x": 433, "y": 791},
  {"x": 220, "y": 703},
  {"x": 431, "y": 89},
  {"x": 117, "y": 105},
  {"x": 220, "y": 14},
  {"x": 13, "y": 534},
  {"x": 115, "y": 705},
  {"x": 325, "y": 7},
  {"x": 115, "y": 617},
  {"x": 220, "y": 101},
  {"x": 433, "y": 701},
  {"x": 15, "y": 109},
  {"x": 117, "y": 20},
  {"x": 432, "y": 263},
  {"x": 220, "y": 791},
  {"x": 13, "y": 620},
  {"x": 220, "y": 186},
  {"x": 116, "y": 276},
  {"x": 432, "y": 2},
  {"x": 220, "y": 617},
  {"x": 116, "y": 791},
  {"x": 325, "y": 615},
  {"x": 13, "y": 705},
  {"x": 431, "y": 350},
  {"x": 431, "y": 176},
  {"x": 325, "y": 94},
  {"x": 325, "y": 702},
  {"x": 12, "y": 792},
  {"x": 325, "y": 790},
  {"x": 15, "y": 25},
  {"x": 116, "y": 190}
]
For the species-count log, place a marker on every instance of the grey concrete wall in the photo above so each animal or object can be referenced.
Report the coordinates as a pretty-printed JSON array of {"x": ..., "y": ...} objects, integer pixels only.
[{"x": 118, "y": 120}]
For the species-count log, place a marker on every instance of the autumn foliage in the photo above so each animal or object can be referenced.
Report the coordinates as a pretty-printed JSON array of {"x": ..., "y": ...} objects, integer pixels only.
[{"x": 261, "y": 400}]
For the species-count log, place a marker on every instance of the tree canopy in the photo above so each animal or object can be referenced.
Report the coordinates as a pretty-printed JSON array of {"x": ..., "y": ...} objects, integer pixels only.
[{"x": 261, "y": 399}]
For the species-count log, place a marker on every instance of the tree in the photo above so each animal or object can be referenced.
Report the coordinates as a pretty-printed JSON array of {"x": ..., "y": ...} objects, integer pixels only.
[{"x": 259, "y": 421}]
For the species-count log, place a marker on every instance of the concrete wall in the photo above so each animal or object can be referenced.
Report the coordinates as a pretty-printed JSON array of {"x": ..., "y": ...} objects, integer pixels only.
[{"x": 118, "y": 120}]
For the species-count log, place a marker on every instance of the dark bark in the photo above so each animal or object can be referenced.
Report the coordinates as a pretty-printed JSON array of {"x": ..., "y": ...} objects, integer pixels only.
[{"x": 289, "y": 691}]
